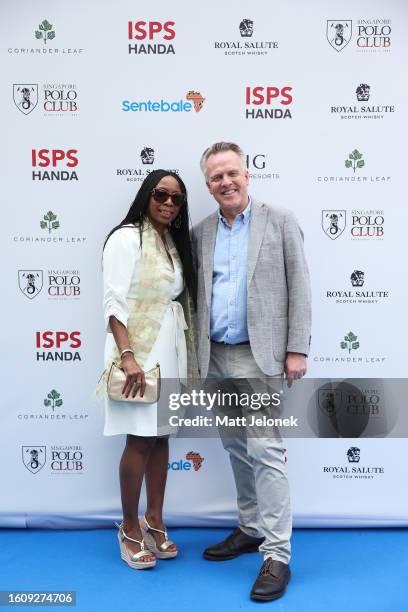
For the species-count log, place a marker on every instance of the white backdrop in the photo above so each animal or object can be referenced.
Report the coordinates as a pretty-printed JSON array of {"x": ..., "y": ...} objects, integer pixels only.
[{"x": 56, "y": 468}]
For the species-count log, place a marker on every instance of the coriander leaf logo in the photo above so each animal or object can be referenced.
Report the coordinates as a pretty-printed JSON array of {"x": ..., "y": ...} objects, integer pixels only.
[
  {"x": 355, "y": 160},
  {"x": 50, "y": 221},
  {"x": 350, "y": 342},
  {"x": 53, "y": 399},
  {"x": 45, "y": 32}
]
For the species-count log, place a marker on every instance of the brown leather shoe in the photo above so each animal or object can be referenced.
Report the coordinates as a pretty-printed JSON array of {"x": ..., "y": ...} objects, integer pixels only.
[
  {"x": 237, "y": 543},
  {"x": 272, "y": 580}
]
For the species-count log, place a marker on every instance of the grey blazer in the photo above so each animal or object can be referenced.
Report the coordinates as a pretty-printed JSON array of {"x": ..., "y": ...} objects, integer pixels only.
[{"x": 278, "y": 287}]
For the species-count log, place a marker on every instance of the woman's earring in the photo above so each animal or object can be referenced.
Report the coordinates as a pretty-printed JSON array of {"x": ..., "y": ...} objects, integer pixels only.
[{"x": 177, "y": 222}]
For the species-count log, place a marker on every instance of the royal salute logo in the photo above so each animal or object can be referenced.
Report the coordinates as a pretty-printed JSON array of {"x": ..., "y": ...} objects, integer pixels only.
[
  {"x": 44, "y": 36},
  {"x": 25, "y": 96},
  {"x": 147, "y": 156},
  {"x": 65, "y": 340},
  {"x": 34, "y": 458},
  {"x": 193, "y": 461},
  {"x": 54, "y": 160},
  {"x": 355, "y": 162},
  {"x": 357, "y": 278},
  {"x": 67, "y": 459},
  {"x": 353, "y": 471},
  {"x": 57, "y": 99},
  {"x": 333, "y": 223},
  {"x": 258, "y": 167},
  {"x": 244, "y": 46},
  {"x": 194, "y": 102},
  {"x": 357, "y": 295},
  {"x": 30, "y": 282},
  {"x": 268, "y": 102},
  {"x": 157, "y": 36},
  {"x": 338, "y": 33},
  {"x": 364, "y": 111},
  {"x": 370, "y": 35}
]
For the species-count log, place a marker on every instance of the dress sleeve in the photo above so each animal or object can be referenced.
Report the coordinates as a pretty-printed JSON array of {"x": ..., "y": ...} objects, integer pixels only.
[{"x": 121, "y": 253}]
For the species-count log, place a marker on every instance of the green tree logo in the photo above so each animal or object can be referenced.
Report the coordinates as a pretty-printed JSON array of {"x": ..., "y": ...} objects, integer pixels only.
[
  {"x": 355, "y": 160},
  {"x": 45, "y": 32},
  {"x": 50, "y": 222},
  {"x": 350, "y": 342},
  {"x": 53, "y": 400}
]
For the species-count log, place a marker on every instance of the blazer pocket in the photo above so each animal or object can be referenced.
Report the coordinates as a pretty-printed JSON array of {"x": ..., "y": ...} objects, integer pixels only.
[{"x": 280, "y": 337}]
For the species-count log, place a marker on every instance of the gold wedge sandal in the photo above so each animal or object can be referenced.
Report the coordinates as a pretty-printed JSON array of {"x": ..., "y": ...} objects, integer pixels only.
[
  {"x": 133, "y": 560},
  {"x": 161, "y": 551}
]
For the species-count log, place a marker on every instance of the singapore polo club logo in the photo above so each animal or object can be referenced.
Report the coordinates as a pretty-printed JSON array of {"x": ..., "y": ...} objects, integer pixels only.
[
  {"x": 25, "y": 96},
  {"x": 30, "y": 282},
  {"x": 333, "y": 223},
  {"x": 338, "y": 33},
  {"x": 34, "y": 457}
]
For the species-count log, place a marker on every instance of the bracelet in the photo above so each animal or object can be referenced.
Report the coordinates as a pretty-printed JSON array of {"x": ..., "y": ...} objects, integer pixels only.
[{"x": 128, "y": 350}]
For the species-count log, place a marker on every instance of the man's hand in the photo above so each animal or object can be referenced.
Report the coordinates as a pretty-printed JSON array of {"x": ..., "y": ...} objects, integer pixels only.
[{"x": 295, "y": 367}]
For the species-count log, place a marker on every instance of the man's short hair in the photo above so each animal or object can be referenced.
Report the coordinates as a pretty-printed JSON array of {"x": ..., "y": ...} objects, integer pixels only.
[{"x": 220, "y": 147}]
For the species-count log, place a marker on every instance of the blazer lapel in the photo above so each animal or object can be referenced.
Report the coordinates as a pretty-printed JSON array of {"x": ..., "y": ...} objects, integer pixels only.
[
  {"x": 208, "y": 245},
  {"x": 257, "y": 228}
]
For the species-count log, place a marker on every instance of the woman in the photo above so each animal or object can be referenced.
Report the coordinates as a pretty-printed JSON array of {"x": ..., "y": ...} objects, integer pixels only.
[{"x": 147, "y": 264}]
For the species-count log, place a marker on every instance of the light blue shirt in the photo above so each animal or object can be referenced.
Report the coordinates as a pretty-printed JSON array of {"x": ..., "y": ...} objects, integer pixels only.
[{"x": 228, "y": 322}]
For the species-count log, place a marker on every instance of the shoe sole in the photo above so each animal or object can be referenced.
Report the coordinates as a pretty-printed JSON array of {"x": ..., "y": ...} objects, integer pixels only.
[
  {"x": 231, "y": 556},
  {"x": 271, "y": 597}
]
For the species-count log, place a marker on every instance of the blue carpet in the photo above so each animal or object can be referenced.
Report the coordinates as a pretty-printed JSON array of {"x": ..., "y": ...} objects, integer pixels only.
[{"x": 333, "y": 570}]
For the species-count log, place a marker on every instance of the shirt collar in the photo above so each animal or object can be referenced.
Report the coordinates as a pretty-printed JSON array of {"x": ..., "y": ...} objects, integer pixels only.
[{"x": 244, "y": 216}]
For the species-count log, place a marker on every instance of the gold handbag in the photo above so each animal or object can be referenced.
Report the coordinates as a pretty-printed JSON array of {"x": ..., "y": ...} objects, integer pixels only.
[{"x": 116, "y": 382}]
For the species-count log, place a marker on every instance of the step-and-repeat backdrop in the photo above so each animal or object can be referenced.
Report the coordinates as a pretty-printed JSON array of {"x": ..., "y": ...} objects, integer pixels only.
[{"x": 94, "y": 97}]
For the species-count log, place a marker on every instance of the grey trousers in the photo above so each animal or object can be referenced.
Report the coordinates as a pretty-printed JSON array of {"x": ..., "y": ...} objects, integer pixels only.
[{"x": 258, "y": 463}]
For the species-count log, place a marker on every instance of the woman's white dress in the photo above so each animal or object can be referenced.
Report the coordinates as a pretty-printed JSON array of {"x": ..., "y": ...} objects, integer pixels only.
[{"x": 121, "y": 265}]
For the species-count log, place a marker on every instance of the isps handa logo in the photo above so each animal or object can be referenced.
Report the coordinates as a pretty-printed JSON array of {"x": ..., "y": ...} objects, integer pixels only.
[
  {"x": 193, "y": 460},
  {"x": 193, "y": 101},
  {"x": 63, "y": 341},
  {"x": 151, "y": 37},
  {"x": 268, "y": 102},
  {"x": 59, "y": 164}
]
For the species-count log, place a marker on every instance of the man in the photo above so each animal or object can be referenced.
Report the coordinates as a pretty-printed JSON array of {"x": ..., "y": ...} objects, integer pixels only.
[{"x": 253, "y": 320}]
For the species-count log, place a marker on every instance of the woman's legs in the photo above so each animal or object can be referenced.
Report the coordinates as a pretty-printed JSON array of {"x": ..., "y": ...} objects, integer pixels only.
[
  {"x": 156, "y": 476},
  {"x": 132, "y": 468}
]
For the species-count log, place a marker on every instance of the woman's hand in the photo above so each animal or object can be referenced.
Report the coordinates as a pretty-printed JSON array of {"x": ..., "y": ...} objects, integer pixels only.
[{"x": 135, "y": 378}]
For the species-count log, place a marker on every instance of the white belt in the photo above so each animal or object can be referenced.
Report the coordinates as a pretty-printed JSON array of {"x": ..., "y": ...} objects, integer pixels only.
[{"x": 181, "y": 348}]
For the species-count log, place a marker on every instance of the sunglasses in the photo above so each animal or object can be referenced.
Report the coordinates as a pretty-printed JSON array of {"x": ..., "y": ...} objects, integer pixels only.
[{"x": 161, "y": 195}]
